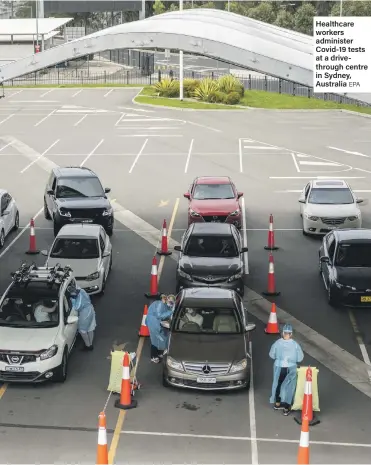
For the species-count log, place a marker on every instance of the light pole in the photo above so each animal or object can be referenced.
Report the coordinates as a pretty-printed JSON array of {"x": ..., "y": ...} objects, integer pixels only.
[
  {"x": 181, "y": 77},
  {"x": 229, "y": 5}
]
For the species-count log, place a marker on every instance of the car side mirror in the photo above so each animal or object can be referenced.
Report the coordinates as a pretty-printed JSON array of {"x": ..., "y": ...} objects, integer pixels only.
[
  {"x": 178, "y": 248},
  {"x": 107, "y": 190},
  {"x": 250, "y": 327},
  {"x": 50, "y": 192},
  {"x": 325, "y": 259},
  {"x": 72, "y": 319},
  {"x": 359, "y": 201},
  {"x": 187, "y": 195},
  {"x": 301, "y": 200},
  {"x": 240, "y": 194},
  {"x": 44, "y": 252},
  {"x": 165, "y": 324},
  {"x": 244, "y": 249}
]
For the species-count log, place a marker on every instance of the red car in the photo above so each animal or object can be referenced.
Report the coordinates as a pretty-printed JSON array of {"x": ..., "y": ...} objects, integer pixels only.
[{"x": 214, "y": 200}]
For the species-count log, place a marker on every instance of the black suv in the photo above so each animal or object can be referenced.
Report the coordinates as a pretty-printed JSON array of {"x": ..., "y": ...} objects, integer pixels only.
[
  {"x": 345, "y": 265},
  {"x": 209, "y": 343},
  {"x": 75, "y": 195},
  {"x": 211, "y": 256}
]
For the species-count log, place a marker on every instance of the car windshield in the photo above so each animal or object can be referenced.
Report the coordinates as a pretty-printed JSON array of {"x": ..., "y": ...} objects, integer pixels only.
[
  {"x": 22, "y": 313},
  {"x": 207, "y": 321},
  {"x": 213, "y": 191},
  {"x": 331, "y": 196},
  {"x": 354, "y": 255},
  {"x": 79, "y": 187},
  {"x": 211, "y": 246},
  {"x": 75, "y": 248}
]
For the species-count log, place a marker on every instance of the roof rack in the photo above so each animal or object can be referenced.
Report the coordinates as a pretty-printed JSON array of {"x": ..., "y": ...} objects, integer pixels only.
[{"x": 27, "y": 273}]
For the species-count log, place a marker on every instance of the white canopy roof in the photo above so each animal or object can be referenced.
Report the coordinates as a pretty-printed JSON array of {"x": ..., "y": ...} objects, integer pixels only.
[{"x": 27, "y": 27}]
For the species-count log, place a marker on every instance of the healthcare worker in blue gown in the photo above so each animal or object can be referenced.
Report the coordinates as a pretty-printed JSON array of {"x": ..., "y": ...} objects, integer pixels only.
[
  {"x": 286, "y": 354},
  {"x": 158, "y": 311},
  {"x": 86, "y": 325}
]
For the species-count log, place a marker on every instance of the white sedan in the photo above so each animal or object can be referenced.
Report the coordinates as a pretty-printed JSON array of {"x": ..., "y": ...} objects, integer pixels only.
[
  {"x": 87, "y": 249},
  {"x": 329, "y": 204},
  {"x": 9, "y": 215}
]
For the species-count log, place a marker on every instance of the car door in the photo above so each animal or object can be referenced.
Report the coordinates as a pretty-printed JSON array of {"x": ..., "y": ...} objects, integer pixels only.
[
  {"x": 50, "y": 198},
  {"x": 329, "y": 251},
  {"x": 12, "y": 208},
  {"x": 245, "y": 320},
  {"x": 69, "y": 330},
  {"x": 5, "y": 213},
  {"x": 105, "y": 248},
  {"x": 304, "y": 197}
]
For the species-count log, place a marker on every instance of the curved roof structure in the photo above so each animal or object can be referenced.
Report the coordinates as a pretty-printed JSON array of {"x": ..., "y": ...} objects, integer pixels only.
[{"x": 229, "y": 37}]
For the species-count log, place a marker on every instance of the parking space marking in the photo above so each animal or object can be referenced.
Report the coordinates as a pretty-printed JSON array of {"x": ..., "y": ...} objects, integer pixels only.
[
  {"x": 118, "y": 121},
  {"x": 6, "y": 119},
  {"x": 46, "y": 93},
  {"x": 360, "y": 342},
  {"x": 295, "y": 162},
  {"x": 254, "y": 443},
  {"x": 5, "y": 146},
  {"x": 77, "y": 93},
  {"x": 15, "y": 93},
  {"x": 319, "y": 163},
  {"x": 244, "y": 237},
  {"x": 45, "y": 118},
  {"x": 189, "y": 156},
  {"x": 138, "y": 156},
  {"x": 108, "y": 93},
  {"x": 240, "y": 154},
  {"x": 92, "y": 152},
  {"x": 349, "y": 152},
  {"x": 150, "y": 135},
  {"x": 42, "y": 155},
  {"x": 80, "y": 120}
]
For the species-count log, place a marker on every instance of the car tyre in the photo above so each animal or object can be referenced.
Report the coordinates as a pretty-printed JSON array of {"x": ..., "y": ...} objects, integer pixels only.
[
  {"x": 305, "y": 233},
  {"x": 2, "y": 238},
  {"x": 16, "y": 222},
  {"x": 110, "y": 263},
  {"x": 102, "y": 291},
  {"x": 56, "y": 229},
  {"x": 164, "y": 382},
  {"x": 109, "y": 231},
  {"x": 248, "y": 383},
  {"x": 46, "y": 211},
  {"x": 62, "y": 371}
]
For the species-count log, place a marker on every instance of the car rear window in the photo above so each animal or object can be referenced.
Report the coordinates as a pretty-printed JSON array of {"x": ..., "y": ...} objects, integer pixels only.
[
  {"x": 354, "y": 255},
  {"x": 75, "y": 249},
  {"x": 207, "y": 321},
  {"x": 211, "y": 246},
  {"x": 213, "y": 191},
  {"x": 323, "y": 196}
]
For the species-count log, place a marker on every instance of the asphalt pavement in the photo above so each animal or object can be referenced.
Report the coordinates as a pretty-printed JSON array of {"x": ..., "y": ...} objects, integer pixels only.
[{"x": 148, "y": 157}]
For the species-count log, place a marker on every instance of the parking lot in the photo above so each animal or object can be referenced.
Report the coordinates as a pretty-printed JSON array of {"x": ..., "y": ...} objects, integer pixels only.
[{"x": 148, "y": 157}]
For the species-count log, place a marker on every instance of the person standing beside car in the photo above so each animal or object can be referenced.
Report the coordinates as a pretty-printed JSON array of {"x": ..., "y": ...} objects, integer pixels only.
[
  {"x": 286, "y": 354},
  {"x": 158, "y": 311},
  {"x": 86, "y": 324}
]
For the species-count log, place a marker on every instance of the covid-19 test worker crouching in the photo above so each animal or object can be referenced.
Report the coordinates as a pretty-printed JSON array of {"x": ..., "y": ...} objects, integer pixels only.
[{"x": 86, "y": 325}]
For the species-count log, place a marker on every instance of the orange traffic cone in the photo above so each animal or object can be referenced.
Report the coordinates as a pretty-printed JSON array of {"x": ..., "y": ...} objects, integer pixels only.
[
  {"x": 303, "y": 453},
  {"x": 32, "y": 250},
  {"x": 102, "y": 448},
  {"x": 271, "y": 279},
  {"x": 272, "y": 325},
  {"x": 153, "y": 290},
  {"x": 164, "y": 241},
  {"x": 126, "y": 402},
  {"x": 307, "y": 409},
  {"x": 144, "y": 331},
  {"x": 271, "y": 245}
]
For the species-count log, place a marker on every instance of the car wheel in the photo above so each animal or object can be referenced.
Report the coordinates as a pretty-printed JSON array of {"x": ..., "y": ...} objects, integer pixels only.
[
  {"x": 16, "y": 222},
  {"x": 2, "y": 238},
  {"x": 248, "y": 383},
  {"x": 56, "y": 229},
  {"x": 102, "y": 291},
  {"x": 46, "y": 211},
  {"x": 62, "y": 371},
  {"x": 305, "y": 233},
  {"x": 110, "y": 263},
  {"x": 109, "y": 231},
  {"x": 164, "y": 382}
]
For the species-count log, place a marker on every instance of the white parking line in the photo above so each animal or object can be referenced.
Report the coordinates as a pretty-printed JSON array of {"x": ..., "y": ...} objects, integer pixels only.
[
  {"x": 5, "y": 146},
  {"x": 258, "y": 147},
  {"x": 80, "y": 120},
  {"x": 150, "y": 135},
  {"x": 254, "y": 443},
  {"x": 7, "y": 118},
  {"x": 360, "y": 342},
  {"x": 118, "y": 121},
  {"x": 107, "y": 94},
  {"x": 77, "y": 93},
  {"x": 244, "y": 236},
  {"x": 45, "y": 118},
  {"x": 295, "y": 162},
  {"x": 46, "y": 93},
  {"x": 189, "y": 156},
  {"x": 137, "y": 157},
  {"x": 349, "y": 152},
  {"x": 240, "y": 154},
  {"x": 319, "y": 163},
  {"x": 43, "y": 154},
  {"x": 15, "y": 93},
  {"x": 92, "y": 152}
]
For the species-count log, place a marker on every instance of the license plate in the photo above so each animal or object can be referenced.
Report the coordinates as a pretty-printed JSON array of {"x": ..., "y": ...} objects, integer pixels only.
[
  {"x": 365, "y": 298},
  {"x": 86, "y": 221},
  {"x": 15, "y": 369},
  {"x": 206, "y": 380}
]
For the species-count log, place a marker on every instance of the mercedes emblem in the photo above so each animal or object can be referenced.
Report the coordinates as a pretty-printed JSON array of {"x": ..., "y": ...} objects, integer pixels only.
[{"x": 206, "y": 369}]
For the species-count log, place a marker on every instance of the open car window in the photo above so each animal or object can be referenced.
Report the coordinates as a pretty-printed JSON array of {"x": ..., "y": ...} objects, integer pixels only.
[
  {"x": 75, "y": 249},
  {"x": 29, "y": 313},
  {"x": 213, "y": 191},
  {"x": 354, "y": 255},
  {"x": 207, "y": 321},
  {"x": 211, "y": 246}
]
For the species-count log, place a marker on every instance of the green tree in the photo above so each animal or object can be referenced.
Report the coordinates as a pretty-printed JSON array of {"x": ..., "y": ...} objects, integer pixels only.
[
  {"x": 284, "y": 19},
  {"x": 158, "y": 7},
  {"x": 263, "y": 12},
  {"x": 303, "y": 19},
  {"x": 240, "y": 8},
  {"x": 358, "y": 8}
]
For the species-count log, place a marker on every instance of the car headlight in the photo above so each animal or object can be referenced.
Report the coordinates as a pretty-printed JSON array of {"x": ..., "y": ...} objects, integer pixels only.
[
  {"x": 171, "y": 363},
  {"x": 194, "y": 214},
  {"x": 184, "y": 275},
  {"x": 353, "y": 218},
  {"x": 235, "y": 276},
  {"x": 64, "y": 213},
  {"x": 108, "y": 212},
  {"x": 239, "y": 366},
  {"x": 235, "y": 213},
  {"x": 49, "y": 353},
  {"x": 93, "y": 276},
  {"x": 311, "y": 218}
]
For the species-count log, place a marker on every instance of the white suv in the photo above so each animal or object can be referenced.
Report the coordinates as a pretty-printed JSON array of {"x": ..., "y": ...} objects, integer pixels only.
[
  {"x": 35, "y": 345},
  {"x": 9, "y": 215}
]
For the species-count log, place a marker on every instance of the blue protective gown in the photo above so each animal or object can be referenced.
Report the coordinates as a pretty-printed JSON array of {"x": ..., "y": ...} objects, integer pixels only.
[
  {"x": 85, "y": 312},
  {"x": 286, "y": 354},
  {"x": 157, "y": 312}
]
